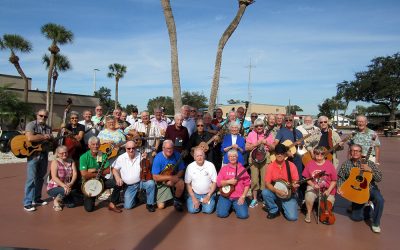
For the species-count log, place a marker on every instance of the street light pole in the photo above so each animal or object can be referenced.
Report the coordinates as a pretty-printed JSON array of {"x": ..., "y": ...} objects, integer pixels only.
[{"x": 94, "y": 79}]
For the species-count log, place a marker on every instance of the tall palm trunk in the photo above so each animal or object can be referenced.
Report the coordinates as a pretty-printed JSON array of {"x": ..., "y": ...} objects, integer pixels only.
[
  {"x": 224, "y": 39},
  {"x": 55, "y": 77},
  {"x": 53, "y": 50},
  {"x": 176, "y": 85},
  {"x": 116, "y": 93},
  {"x": 15, "y": 61}
]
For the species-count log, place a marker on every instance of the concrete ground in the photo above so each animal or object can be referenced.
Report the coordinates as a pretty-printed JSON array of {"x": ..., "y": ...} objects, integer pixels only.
[{"x": 166, "y": 229}]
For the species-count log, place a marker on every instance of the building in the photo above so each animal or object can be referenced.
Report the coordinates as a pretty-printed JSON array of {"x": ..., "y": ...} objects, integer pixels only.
[
  {"x": 260, "y": 109},
  {"x": 38, "y": 98}
]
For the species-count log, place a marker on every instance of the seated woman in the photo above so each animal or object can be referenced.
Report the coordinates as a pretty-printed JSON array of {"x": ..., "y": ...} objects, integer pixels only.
[
  {"x": 63, "y": 175},
  {"x": 233, "y": 140},
  {"x": 325, "y": 184},
  {"x": 233, "y": 174}
]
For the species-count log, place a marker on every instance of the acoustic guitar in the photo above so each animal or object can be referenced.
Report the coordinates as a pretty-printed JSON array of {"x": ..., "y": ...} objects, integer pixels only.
[
  {"x": 328, "y": 154},
  {"x": 111, "y": 147},
  {"x": 22, "y": 148},
  {"x": 292, "y": 146},
  {"x": 356, "y": 187}
]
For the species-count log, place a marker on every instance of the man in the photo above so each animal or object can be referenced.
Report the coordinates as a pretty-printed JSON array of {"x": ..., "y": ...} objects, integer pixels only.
[
  {"x": 123, "y": 119},
  {"x": 193, "y": 112},
  {"x": 208, "y": 125},
  {"x": 98, "y": 119},
  {"x": 201, "y": 182},
  {"x": 119, "y": 124},
  {"x": 375, "y": 196},
  {"x": 276, "y": 170},
  {"x": 262, "y": 141},
  {"x": 126, "y": 170},
  {"x": 134, "y": 116},
  {"x": 89, "y": 164},
  {"x": 188, "y": 122},
  {"x": 164, "y": 116},
  {"x": 364, "y": 136},
  {"x": 36, "y": 132},
  {"x": 253, "y": 117},
  {"x": 168, "y": 159},
  {"x": 178, "y": 134},
  {"x": 271, "y": 120},
  {"x": 76, "y": 143},
  {"x": 90, "y": 128},
  {"x": 279, "y": 121},
  {"x": 218, "y": 118},
  {"x": 159, "y": 122},
  {"x": 308, "y": 128},
  {"x": 149, "y": 129},
  {"x": 241, "y": 119}
]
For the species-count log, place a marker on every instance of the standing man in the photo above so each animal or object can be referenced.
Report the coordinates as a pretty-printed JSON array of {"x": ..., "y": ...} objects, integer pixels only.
[
  {"x": 36, "y": 132},
  {"x": 98, "y": 119},
  {"x": 133, "y": 117},
  {"x": 165, "y": 160},
  {"x": 218, "y": 118},
  {"x": 201, "y": 182},
  {"x": 279, "y": 121},
  {"x": 126, "y": 170},
  {"x": 375, "y": 196},
  {"x": 90, "y": 128},
  {"x": 178, "y": 134},
  {"x": 364, "y": 136},
  {"x": 188, "y": 122},
  {"x": 241, "y": 119},
  {"x": 159, "y": 122}
]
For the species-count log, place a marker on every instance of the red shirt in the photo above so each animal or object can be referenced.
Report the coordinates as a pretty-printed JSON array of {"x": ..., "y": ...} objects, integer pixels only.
[{"x": 275, "y": 172}]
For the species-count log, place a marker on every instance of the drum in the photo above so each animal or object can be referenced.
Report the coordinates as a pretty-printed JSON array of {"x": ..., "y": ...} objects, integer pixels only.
[
  {"x": 92, "y": 187},
  {"x": 284, "y": 186}
]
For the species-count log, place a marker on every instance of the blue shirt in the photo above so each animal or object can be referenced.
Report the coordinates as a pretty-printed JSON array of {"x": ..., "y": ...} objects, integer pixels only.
[{"x": 160, "y": 161}]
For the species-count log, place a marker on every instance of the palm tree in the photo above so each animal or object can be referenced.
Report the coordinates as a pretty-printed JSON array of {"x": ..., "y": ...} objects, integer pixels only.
[
  {"x": 176, "y": 85},
  {"x": 15, "y": 43},
  {"x": 117, "y": 71},
  {"x": 58, "y": 35},
  {"x": 61, "y": 64},
  {"x": 224, "y": 39}
]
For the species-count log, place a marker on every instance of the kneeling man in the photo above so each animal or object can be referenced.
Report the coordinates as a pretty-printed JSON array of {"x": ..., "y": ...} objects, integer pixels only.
[
  {"x": 126, "y": 170},
  {"x": 201, "y": 181}
]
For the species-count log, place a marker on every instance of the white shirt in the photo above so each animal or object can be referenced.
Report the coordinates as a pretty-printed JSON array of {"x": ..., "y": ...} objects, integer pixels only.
[
  {"x": 201, "y": 177},
  {"x": 129, "y": 168},
  {"x": 190, "y": 124},
  {"x": 234, "y": 139},
  {"x": 141, "y": 127}
]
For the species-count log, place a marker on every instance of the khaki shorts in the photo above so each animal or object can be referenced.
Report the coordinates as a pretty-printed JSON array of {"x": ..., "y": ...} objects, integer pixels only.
[
  {"x": 164, "y": 193},
  {"x": 312, "y": 194}
]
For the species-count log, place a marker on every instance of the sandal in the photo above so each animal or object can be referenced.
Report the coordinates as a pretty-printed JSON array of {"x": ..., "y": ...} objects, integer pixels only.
[
  {"x": 57, "y": 208},
  {"x": 307, "y": 218}
]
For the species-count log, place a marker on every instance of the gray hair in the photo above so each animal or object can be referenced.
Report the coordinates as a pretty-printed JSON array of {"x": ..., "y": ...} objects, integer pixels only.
[
  {"x": 258, "y": 121},
  {"x": 323, "y": 117},
  {"x": 93, "y": 139},
  {"x": 62, "y": 147},
  {"x": 74, "y": 113},
  {"x": 233, "y": 152},
  {"x": 178, "y": 115},
  {"x": 169, "y": 142},
  {"x": 361, "y": 117},
  {"x": 42, "y": 110},
  {"x": 233, "y": 124},
  {"x": 356, "y": 145}
]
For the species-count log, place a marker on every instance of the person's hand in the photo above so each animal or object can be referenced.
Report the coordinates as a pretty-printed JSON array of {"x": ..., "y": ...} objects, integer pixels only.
[
  {"x": 196, "y": 203},
  {"x": 235, "y": 146},
  {"x": 232, "y": 181},
  {"x": 206, "y": 199},
  {"x": 241, "y": 200},
  {"x": 281, "y": 193},
  {"x": 316, "y": 186},
  {"x": 174, "y": 179},
  {"x": 326, "y": 193},
  {"x": 365, "y": 167},
  {"x": 119, "y": 181},
  {"x": 67, "y": 189}
]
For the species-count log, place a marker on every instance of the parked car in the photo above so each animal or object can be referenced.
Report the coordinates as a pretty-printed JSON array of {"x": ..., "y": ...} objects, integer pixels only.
[{"x": 390, "y": 128}]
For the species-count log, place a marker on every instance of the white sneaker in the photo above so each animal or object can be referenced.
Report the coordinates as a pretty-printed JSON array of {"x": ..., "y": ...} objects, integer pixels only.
[{"x": 376, "y": 229}]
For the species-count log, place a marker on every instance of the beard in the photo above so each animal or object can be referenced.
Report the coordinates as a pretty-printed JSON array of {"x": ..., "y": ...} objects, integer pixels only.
[{"x": 308, "y": 126}]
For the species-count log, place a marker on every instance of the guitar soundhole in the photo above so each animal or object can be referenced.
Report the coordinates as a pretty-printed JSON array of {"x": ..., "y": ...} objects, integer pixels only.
[{"x": 359, "y": 178}]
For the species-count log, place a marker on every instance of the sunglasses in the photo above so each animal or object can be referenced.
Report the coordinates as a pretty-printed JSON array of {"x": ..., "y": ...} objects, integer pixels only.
[
  {"x": 74, "y": 118},
  {"x": 129, "y": 148},
  {"x": 254, "y": 116},
  {"x": 288, "y": 120},
  {"x": 45, "y": 116},
  {"x": 323, "y": 122},
  {"x": 200, "y": 125}
]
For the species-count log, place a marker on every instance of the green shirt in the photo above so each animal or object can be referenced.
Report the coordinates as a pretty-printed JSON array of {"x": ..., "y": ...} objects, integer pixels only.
[{"x": 87, "y": 161}]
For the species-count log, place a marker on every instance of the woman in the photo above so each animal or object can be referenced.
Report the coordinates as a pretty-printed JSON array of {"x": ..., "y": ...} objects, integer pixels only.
[
  {"x": 111, "y": 134},
  {"x": 233, "y": 140},
  {"x": 229, "y": 175},
  {"x": 325, "y": 184},
  {"x": 63, "y": 176},
  {"x": 75, "y": 144}
]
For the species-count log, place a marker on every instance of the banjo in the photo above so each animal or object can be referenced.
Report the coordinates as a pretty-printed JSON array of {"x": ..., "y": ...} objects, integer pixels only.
[
  {"x": 227, "y": 190},
  {"x": 93, "y": 187},
  {"x": 287, "y": 187}
]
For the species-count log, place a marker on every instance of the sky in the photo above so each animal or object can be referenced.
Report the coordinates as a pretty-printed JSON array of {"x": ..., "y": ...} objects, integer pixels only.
[{"x": 300, "y": 49}]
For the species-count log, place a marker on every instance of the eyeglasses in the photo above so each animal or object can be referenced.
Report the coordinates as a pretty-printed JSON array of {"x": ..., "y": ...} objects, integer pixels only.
[
  {"x": 323, "y": 122},
  {"x": 43, "y": 116},
  {"x": 192, "y": 110},
  {"x": 200, "y": 125},
  {"x": 254, "y": 116},
  {"x": 74, "y": 118},
  {"x": 318, "y": 153},
  {"x": 355, "y": 151},
  {"x": 129, "y": 149},
  {"x": 63, "y": 153},
  {"x": 288, "y": 120},
  {"x": 99, "y": 109},
  {"x": 257, "y": 126}
]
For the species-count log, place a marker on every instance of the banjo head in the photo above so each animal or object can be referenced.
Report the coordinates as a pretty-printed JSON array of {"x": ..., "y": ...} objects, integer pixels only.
[
  {"x": 280, "y": 185},
  {"x": 92, "y": 188}
]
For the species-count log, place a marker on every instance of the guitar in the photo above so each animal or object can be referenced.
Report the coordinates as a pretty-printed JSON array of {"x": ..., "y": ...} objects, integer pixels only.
[
  {"x": 329, "y": 154},
  {"x": 169, "y": 169},
  {"x": 288, "y": 187},
  {"x": 356, "y": 187},
  {"x": 227, "y": 190},
  {"x": 111, "y": 147},
  {"x": 291, "y": 146}
]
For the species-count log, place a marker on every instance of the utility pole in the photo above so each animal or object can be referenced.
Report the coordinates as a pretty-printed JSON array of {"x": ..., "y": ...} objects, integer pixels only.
[
  {"x": 94, "y": 80},
  {"x": 249, "y": 97}
]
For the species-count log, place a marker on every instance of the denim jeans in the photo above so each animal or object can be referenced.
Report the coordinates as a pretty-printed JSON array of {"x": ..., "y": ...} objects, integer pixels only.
[
  {"x": 36, "y": 170},
  {"x": 131, "y": 191},
  {"x": 358, "y": 209},
  {"x": 205, "y": 208},
  {"x": 224, "y": 206},
  {"x": 289, "y": 206}
]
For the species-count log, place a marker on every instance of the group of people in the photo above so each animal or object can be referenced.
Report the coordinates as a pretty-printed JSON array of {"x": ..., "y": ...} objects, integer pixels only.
[{"x": 202, "y": 162}]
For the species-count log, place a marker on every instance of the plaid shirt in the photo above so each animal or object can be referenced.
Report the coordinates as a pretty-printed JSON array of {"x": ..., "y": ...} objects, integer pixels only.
[{"x": 346, "y": 167}]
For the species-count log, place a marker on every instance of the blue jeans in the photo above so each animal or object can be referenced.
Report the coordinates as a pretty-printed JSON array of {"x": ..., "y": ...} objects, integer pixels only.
[
  {"x": 131, "y": 191},
  {"x": 376, "y": 197},
  {"x": 224, "y": 206},
  {"x": 205, "y": 208},
  {"x": 36, "y": 170},
  {"x": 289, "y": 206}
]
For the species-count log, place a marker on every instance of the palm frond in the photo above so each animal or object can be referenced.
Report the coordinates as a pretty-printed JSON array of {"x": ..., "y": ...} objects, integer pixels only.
[
  {"x": 16, "y": 42},
  {"x": 57, "y": 33}
]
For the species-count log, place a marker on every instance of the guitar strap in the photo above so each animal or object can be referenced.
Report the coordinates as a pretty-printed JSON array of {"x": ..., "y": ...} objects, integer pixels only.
[
  {"x": 294, "y": 136},
  {"x": 288, "y": 171},
  {"x": 330, "y": 143}
]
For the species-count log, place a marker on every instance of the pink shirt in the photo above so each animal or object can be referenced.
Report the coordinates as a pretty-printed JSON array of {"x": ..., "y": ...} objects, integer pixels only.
[
  {"x": 253, "y": 138},
  {"x": 228, "y": 172},
  {"x": 275, "y": 172},
  {"x": 313, "y": 168}
]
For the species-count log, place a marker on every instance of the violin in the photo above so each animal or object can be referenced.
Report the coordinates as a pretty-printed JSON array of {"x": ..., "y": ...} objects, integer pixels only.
[
  {"x": 145, "y": 170},
  {"x": 326, "y": 215}
]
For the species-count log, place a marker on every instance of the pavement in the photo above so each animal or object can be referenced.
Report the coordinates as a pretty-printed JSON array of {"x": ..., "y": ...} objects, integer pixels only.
[{"x": 167, "y": 229}]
